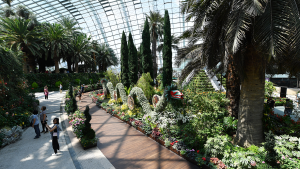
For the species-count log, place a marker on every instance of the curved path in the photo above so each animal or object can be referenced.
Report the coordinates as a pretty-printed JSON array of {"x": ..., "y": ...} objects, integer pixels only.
[{"x": 125, "y": 147}]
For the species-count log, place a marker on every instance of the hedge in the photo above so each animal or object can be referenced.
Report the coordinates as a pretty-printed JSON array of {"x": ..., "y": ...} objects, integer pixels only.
[{"x": 43, "y": 79}]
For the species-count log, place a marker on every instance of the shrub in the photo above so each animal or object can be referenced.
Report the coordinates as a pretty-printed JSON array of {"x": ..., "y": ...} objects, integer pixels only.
[
  {"x": 145, "y": 84},
  {"x": 34, "y": 85},
  {"x": 77, "y": 81},
  {"x": 113, "y": 78},
  {"x": 87, "y": 131},
  {"x": 269, "y": 88},
  {"x": 58, "y": 83}
]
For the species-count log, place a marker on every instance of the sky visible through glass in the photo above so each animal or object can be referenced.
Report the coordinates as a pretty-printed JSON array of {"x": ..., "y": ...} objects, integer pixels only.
[{"x": 104, "y": 20}]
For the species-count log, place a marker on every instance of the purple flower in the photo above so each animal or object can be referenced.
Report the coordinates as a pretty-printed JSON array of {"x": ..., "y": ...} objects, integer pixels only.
[
  {"x": 263, "y": 162},
  {"x": 283, "y": 157}
]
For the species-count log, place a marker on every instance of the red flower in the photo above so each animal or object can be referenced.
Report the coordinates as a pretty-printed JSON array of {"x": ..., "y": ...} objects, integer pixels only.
[
  {"x": 176, "y": 141},
  {"x": 198, "y": 151},
  {"x": 24, "y": 82},
  {"x": 203, "y": 158},
  {"x": 32, "y": 88}
]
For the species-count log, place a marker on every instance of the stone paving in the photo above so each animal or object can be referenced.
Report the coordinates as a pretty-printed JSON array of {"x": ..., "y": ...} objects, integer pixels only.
[{"x": 36, "y": 153}]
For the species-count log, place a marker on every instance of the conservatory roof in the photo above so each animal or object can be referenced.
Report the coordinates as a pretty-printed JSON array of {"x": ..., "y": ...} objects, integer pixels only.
[{"x": 104, "y": 20}]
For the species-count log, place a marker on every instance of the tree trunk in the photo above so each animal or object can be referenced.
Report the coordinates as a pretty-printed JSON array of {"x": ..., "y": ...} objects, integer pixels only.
[
  {"x": 99, "y": 67},
  {"x": 69, "y": 62},
  {"x": 232, "y": 88},
  {"x": 56, "y": 60},
  {"x": 76, "y": 67},
  {"x": 250, "y": 124},
  {"x": 154, "y": 56}
]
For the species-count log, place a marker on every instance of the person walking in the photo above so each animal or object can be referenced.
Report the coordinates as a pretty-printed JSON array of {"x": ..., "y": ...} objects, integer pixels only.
[
  {"x": 46, "y": 92},
  {"x": 271, "y": 103},
  {"x": 35, "y": 124},
  {"x": 54, "y": 132},
  {"x": 82, "y": 89},
  {"x": 43, "y": 118},
  {"x": 79, "y": 95},
  {"x": 60, "y": 88},
  {"x": 288, "y": 107}
]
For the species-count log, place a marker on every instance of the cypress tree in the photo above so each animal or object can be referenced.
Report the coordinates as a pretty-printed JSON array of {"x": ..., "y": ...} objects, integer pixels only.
[
  {"x": 167, "y": 52},
  {"x": 132, "y": 61},
  {"x": 124, "y": 61},
  {"x": 147, "y": 65}
]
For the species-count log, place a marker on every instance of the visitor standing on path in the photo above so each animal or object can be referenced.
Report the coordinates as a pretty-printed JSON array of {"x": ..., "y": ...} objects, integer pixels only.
[
  {"x": 288, "y": 107},
  {"x": 54, "y": 131},
  {"x": 60, "y": 88},
  {"x": 43, "y": 118},
  {"x": 35, "y": 124},
  {"x": 82, "y": 89},
  {"x": 46, "y": 92}
]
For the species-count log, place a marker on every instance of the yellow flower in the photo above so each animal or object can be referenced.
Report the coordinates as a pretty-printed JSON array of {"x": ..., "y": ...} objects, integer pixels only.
[{"x": 23, "y": 123}]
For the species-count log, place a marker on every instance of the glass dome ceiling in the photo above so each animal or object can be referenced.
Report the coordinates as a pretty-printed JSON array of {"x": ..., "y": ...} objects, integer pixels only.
[{"x": 104, "y": 20}]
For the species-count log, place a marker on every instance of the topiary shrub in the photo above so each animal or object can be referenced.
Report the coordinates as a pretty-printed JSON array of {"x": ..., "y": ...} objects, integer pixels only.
[
  {"x": 34, "y": 85},
  {"x": 77, "y": 81},
  {"x": 58, "y": 83},
  {"x": 87, "y": 131},
  {"x": 145, "y": 84}
]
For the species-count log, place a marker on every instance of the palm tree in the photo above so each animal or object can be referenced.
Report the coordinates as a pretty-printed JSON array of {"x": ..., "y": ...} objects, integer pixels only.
[
  {"x": 105, "y": 57},
  {"x": 175, "y": 43},
  {"x": 156, "y": 31},
  {"x": 8, "y": 2},
  {"x": 70, "y": 26},
  {"x": 248, "y": 34},
  {"x": 56, "y": 41},
  {"x": 81, "y": 49},
  {"x": 16, "y": 34}
]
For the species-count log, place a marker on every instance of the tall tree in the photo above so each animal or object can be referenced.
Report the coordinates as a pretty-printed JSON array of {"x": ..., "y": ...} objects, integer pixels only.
[
  {"x": 124, "y": 61},
  {"x": 69, "y": 25},
  {"x": 57, "y": 42},
  {"x": 132, "y": 61},
  {"x": 105, "y": 57},
  {"x": 156, "y": 31},
  {"x": 252, "y": 33},
  {"x": 167, "y": 52},
  {"x": 81, "y": 49},
  {"x": 147, "y": 65},
  {"x": 16, "y": 34}
]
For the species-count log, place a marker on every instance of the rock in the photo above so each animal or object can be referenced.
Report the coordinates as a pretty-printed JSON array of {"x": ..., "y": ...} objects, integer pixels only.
[{"x": 12, "y": 135}]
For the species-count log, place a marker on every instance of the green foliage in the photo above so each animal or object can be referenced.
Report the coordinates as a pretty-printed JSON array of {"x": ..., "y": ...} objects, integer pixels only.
[
  {"x": 167, "y": 52},
  {"x": 269, "y": 88},
  {"x": 124, "y": 61},
  {"x": 58, "y": 83},
  {"x": 77, "y": 81},
  {"x": 43, "y": 79},
  {"x": 34, "y": 85},
  {"x": 132, "y": 61},
  {"x": 145, "y": 84},
  {"x": 147, "y": 65},
  {"x": 112, "y": 77},
  {"x": 88, "y": 132}
]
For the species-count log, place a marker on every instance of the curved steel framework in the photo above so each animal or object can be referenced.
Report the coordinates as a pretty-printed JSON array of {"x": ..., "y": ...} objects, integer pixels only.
[{"x": 104, "y": 20}]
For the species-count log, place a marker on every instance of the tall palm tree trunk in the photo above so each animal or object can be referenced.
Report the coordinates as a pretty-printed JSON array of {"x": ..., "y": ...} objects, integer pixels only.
[
  {"x": 250, "y": 124},
  {"x": 56, "y": 60},
  {"x": 69, "y": 62},
  {"x": 76, "y": 67},
  {"x": 232, "y": 88},
  {"x": 154, "y": 57}
]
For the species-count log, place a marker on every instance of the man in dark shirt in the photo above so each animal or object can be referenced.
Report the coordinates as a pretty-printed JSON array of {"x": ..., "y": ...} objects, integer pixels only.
[
  {"x": 271, "y": 102},
  {"x": 82, "y": 89}
]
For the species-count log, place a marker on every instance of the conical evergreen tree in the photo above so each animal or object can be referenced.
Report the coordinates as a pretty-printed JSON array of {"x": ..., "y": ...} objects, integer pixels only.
[
  {"x": 147, "y": 65},
  {"x": 132, "y": 61},
  {"x": 87, "y": 131},
  {"x": 124, "y": 61},
  {"x": 167, "y": 52}
]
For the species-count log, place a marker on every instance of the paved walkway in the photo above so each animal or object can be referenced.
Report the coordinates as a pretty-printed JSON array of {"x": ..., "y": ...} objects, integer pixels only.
[
  {"x": 125, "y": 147},
  {"x": 36, "y": 153}
]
